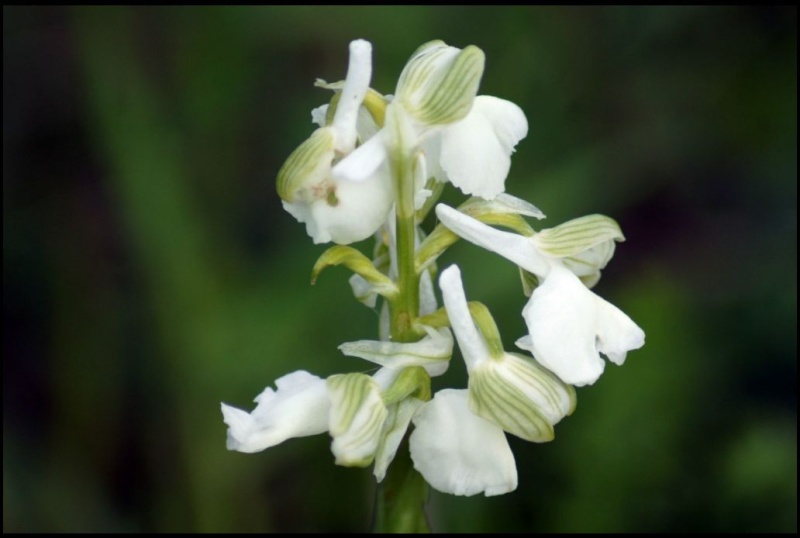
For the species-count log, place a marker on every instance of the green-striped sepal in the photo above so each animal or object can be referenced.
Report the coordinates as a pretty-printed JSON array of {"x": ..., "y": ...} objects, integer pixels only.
[
  {"x": 520, "y": 396},
  {"x": 585, "y": 245},
  {"x": 439, "y": 82},
  {"x": 303, "y": 176},
  {"x": 356, "y": 418}
]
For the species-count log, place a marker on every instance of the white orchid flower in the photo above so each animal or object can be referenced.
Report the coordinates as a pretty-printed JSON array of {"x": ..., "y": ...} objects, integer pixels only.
[
  {"x": 348, "y": 406},
  {"x": 507, "y": 388},
  {"x": 370, "y": 415},
  {"x": 431, "y": 354},
  {"x": 364, "y": 414},
  {"x": 458, "y": 444},
  {"x": 569, "y": 326},
  {"x": 467, "y": 140},
  {"x": 335, "y": 208}
]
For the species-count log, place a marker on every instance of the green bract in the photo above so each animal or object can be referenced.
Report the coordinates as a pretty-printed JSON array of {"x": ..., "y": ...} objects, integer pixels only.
[{"x": 359, "y": 264}]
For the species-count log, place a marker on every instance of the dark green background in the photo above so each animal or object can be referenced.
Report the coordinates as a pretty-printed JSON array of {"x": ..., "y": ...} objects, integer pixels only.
[{"x": 149, "y": 271}]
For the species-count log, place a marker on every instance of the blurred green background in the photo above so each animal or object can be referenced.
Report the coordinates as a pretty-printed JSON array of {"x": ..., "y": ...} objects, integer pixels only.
[{"x": 149, "y": 272}]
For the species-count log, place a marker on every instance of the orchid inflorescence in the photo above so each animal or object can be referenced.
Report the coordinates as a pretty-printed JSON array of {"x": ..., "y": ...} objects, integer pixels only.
[{"x": 375, "y": 167}]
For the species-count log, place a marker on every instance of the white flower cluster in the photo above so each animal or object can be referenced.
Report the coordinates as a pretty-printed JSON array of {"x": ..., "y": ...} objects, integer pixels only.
[{"x": 346, "y": 183}]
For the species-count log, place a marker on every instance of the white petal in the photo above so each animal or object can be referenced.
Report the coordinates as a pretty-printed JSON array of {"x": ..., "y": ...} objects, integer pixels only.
[
  {"x": 526, "y": 343},
  {"x": 432, "y": 352},
  {"x": 476, "y": 151},
  {"x": 364, "y": 162},
  {"x": 241, "y": 425},
  {"x": 616, "y": 333},
  {"x": 473, "y": 158},
  {"x": 570, "y": 325},
  {"x": 385, "y": 377},
  {"x": 302, "y": 212},
  {"x": 363, "y": 291},
  {"x": 507, "y": 119},
  {"x": 470, "y": 342},
  {"x": 298, "y": 408},
  {"x": 318, "y": 115},
  {"x": 511, "y": 246},
  {"x": 420, "y": 179},
  {"x": 504, "y": 202},
  {"x": 432, "y": 148},
  {"x": 359, "y": 72},
  {"x": 339, "y": 211},
  {"x": 357, "y": 212},
  {"x": 458, "y": 452},
  {"x": 365, "y": 125},
  {"x": 562, "y": 319},
  {"x": 597, "y": 256},
  {"x": 427, "y": 297}
]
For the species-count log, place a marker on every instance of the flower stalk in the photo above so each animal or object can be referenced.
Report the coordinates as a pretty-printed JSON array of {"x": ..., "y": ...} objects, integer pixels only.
[
  {"x": 405, "y": 310},
  {"x": 401, "y": 496}
]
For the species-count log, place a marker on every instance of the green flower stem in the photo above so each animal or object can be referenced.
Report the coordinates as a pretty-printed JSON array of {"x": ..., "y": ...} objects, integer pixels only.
[
  {"x": 402, "y": 494},
  {"x": 401, "y": 497},
  {"x": 405, "y": 309}
]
